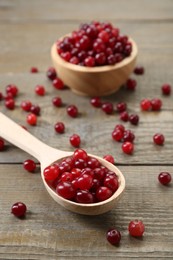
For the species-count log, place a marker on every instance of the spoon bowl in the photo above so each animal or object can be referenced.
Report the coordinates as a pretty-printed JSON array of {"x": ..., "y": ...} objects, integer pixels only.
[
  {"x": 94, "y": 81},
  {"x": 47, "y": 155}
]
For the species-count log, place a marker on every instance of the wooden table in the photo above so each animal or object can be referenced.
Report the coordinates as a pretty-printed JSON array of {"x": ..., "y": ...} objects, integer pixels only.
[{"x": 28, "y": 29}]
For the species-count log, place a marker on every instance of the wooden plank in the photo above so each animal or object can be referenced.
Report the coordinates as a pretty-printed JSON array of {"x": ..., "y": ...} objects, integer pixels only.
[
  {"x": 51, "y": 232},
  {"x": 40, "y": 10}
]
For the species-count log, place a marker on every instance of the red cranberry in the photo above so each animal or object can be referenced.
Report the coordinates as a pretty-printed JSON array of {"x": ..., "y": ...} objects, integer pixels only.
[
  {"x": 113, "y": 236},
  {"x": 93, "y": 163},
  {"x": 10, "y": 103},
  {"x": 80, "y": 154},
  {"x": 109, "y": 158},
  {"x": 2, "y": 144},
  {"x": 18, "y": 209},
  {"x": 35, "y": 110},
  {"x": 131, "y": 84},
  {"x": 134, "y": 119},
  {"x": 51, "y": 73},
  {"x": 146, "y": 105},
  {"x": 120, "y": 127},
  {"x": 128, "y": 136},
  {"x": 139, "y": 70},
  {"x": 34, "y": 70},
  {"x": 159, "y": 139},
  {"x": 26, "y": 105},
  {"x": 164, "y": 178},
  {"x": 103, "y": 193},
  {"x": 1, "y": 96},
  {"x": 40, "y": 90},
  {"x": 96, "y": 102},
  {"x": 128, "y": 147},
  {"x": 12, "y": 89},
  {"x": 100, "y": 58},
  {"x": 72, "y": 111},
  {"x": 156, "y": 104},
  {"x": 67, "y": 176},
  {"x": 111, "y": 182},
  {"x": 66, "y": 190},
  {"x": 124, "y": 116},
  {"x": 84, "y": 196},
  {"x": 74, "y": 60},
  {"x": 84, "y": 182},
  {"x": 59, "y": 127},
  {"x": 31, "y": 119},
  {"x": 121, "y": 107},
  {"x": 57, "y": 101},
  {"x": 117, "y": 135},
  {"x": 136, "y": 228},
  {"x": 51, "y": 173},
  {"x": 107, "y": 107},
  {"x": 89, "y": 61},
  {"x": 58, "y": 83},
  {"x": 75, "y": 140},
  {"x": 166, "y": 89},
  {"x": 29, "y": 165}
]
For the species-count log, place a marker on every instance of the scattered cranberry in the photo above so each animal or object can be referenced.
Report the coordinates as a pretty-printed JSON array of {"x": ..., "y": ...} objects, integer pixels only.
[
  {"x": 58, "y": 83},
  {"x": 109, "y": 158},
  {"x": 57, "y": 101},
  {"x": 159, "y": 139},
  {"x": 128, "y": 136},
  {"x": 136, "y": 228},
  {"x": 117, "y": 135},
  {"x": 121, "y": 107},
  {"x": 128, "y": 147},
  {"x": 75, "y": 140},
  {"x": 120, "y": 127},
  {"x": 131, "y": 84},
  {"x": 35, "y": 110},
  {"x": 156, "y": 104},
  {"x": 10, "y": 103},
  {"x": 31, "y": 119},
  {"x": 113, "y": 236},
  {"x": 59, "y": 127},
  {"x": 72, "y": 111},
  {"x": 134, "y": 119},
  {"x": 18, "y": 209},
  {"x": 166, "y": 89},
  {"x": 146, "y": 104},
  {"x": 51, "y": 73},
  {"x": 96, "y": 102},
  {"x": 164, "y": 178},
  {"x": 40, "y": 90},
  {"x": 12, "y": 89},
  {"x": 139, "y": 70},
  {"x": 107, "y": 107},
  {"x": 29, "y": 165},
  {"x": 124, "y": 116},
  {"x": 2, "y": 144},
  {"x": 26, "y": 105},
  {"x": 34, "y": 70}
]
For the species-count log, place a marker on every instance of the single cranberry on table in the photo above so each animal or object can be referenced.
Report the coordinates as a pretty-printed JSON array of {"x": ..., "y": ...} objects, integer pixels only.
[
  {"x": 34, "y": 70},
  {"x": 72, "y": 111},
  {"x": 51, "y": 73},
  {"x": 131, "y": 84},
  {"x": 128, "y": 147},
  {"x": 107, "y": 107},
  {"x": 124, "y": 116},
  {"x": 164, "y": 178},
  {"x": 10, "y": 103},
  {"x": 31, "y": 119},
  {"x": 145, "y": 104},
  {"x": 59, "y": 127},
  {"x": 166, "y": 89},
  {"x": 109, "y": 158},
  {"x": 75, "y": 140},
  {"x": 117, "y": 135},
  {"x": 57, "y": 101},
  {"x": 58, "y": 83},
  {"x": 40, "y": 90},
  {"x": 2, "y": 144},
  {"x": 29, "y": 165},
  {"x": 19, "y": 209},
  {"x": 113, "y": 236},
  {"x": 128, "y": 136},
  {"x": 121, "y": 107},
  {"x": 119, "y": 127},
  {"x": 156, "y": 104},
  {"x": 12, "y": 89},
  {"x": 96, "y": 102},
  {"x": 134, "y": 119},
  {"x": 35, "y": 109},
  {"x": 136, "y": 228},
  {"x": 26, "y": 105},
  {"x": 159, "y": 139},
  {"x": 139, "y": 70}
]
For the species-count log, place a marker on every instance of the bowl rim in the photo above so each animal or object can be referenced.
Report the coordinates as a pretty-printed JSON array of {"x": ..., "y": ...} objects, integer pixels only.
[{"x": 96, "y": 69}]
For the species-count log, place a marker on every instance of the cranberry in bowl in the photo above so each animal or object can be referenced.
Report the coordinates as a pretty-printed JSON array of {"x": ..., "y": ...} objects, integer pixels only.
[{"x": 95, "y": 60}]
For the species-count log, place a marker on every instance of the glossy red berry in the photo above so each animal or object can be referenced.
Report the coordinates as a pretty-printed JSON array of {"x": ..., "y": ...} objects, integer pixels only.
[
  {"x": 84, "y": 182},
  {"x": 29, "y": 165},
  {"x": 113, "y": 236},
  {"x": 121, "y": 107},
  {"x": 58, "y": 83},
  {"x": 128, "y": 136},
  {"x": 164, "y": 178},
  {"x": 59, "y": 127},
  {"x": 66, "y": 190},
  {"x": 156, "y": 104},
  {"x": 96, "y": 102},
  {"x": 136, "y": 228},
  {"x": 35, "y": 109},
  {"x": 72, "y": 111},
  {"x": 12, "y": 89},
  {"x": 89, "y": 61},
  {"x": 57, "y": 101},
  {"x": 26, "y": 105},
  {"x": 131, "y": 84},
  {"x": 111, "y": 181},
  {"x": 128, "y": 147},
  {"x": 134, "y": 119},
  {"x": 51, "y": 73},
  {"x": 40, "y": 90},
  {"x": 109, "y": 158},
  {"x": 124, "y": 116},
  {"x": 120, "y": 127},
  {"x": 34, "y": 70},
  {"x": 10, "y": 103},
  {"x": 84, "y": 196},
  {"x": 166, "y": 89},
  {"x": 80, "y": 154},
  {"x": 2, "y": 144},
  {"x": 103, "y": 193},
  {"x": 18, "y": 209},
  {"x": 117, "y": 135},
  {"x": 51, "y": 172},
  {"x": 159, "y": 139},
  {"x": 31, "y": 119},
  {"x": 75, "y": 140},
  {"x": 146, "y": 104},
  {"x": 139, "y": 70},
  {"x": 107, "y": 107}
]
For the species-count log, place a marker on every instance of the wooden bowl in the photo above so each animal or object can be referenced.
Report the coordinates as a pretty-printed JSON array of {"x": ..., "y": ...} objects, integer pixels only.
[{"x": 95, "y": 81}]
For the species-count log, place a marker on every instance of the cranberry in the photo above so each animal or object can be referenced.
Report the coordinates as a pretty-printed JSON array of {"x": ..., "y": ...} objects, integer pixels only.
[
  {"x": 74, "y": 60},
  {"x": 84, "y": 196},
  {"x": 166, "y": 89},
  {"x": 128, "y": 147},
  {"x": 29, "y": 165},
  {"x": 117, "y": 135},
  {"x": 34, "y": 70},
  {"x": 124, "y": 116},
  {"x": 120, "y": 127},
  {"x": 99, "y": 173},
  {"x": 10, "y": 103},
  {"x": 75, "y": 140},
  {"x": 12, "y": 89},
  {"x": 51, "y": 172},
  {"x": 131, "y": 84},
  {"x": 96, "y": 102},
  {"x": 159, "y": 139},
  {"x": 107, "y": 107},
  {"x": 89, "y": 61},
  {"x": 136, "y": 228},
  {"x": 80, "y": 154},
  {"x": 59, "y": 127},
  {"x": 93, "y": 162},
  {"x": 51, "y": 73},
  {"x": 80, "y": 163},
  {"x": 66, "y": 190},
  {"x": 146, "y": 105},
  {"x": 121, "y": 107},
  {"x": 31, "y": 119},
  {"x": 2, "y": 144},
  {"x": 66, "y": 56},
  {"x": 67, "y": 176},
  {"x": 128, "y": 136},
  {"x": 111, "y": 182},
  {"x": 26, "y": 105},
  {"x": 139, "y": 70},
  {"x": 35, "y": 110},
  {"x": 103, "y": 193},
  {"x": 72, "y": 111},
  {"x": 57, "y": 101},
  {"x": 156, "y": 104},
  {"x": 58, "y": 83},
  {"x": 84, "y": 182},
  {"x": 18, "y": 209},
  {"x": 134, "y": 119},
  {"x": 1, "y": 96},
  {"x": 100, "y": 58},
  {"x": 40, "y": 90},
  {"x": 164, "y": 178},
  {"x": 113, "y": 236},
  {"x": 109, "y": 158}
]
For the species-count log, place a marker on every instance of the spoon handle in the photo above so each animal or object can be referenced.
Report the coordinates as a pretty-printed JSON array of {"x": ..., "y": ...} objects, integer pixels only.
[{"x": 21, "y": 138}]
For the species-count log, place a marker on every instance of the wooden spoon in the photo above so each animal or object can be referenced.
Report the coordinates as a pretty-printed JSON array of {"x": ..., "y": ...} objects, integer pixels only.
[{"x": 47, "y": 155}]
